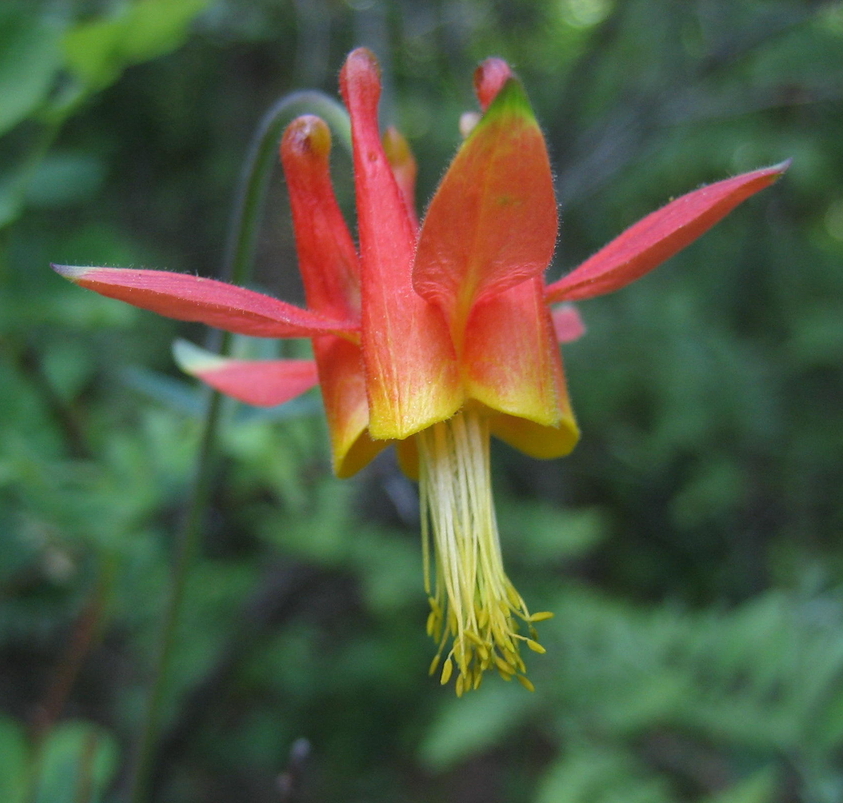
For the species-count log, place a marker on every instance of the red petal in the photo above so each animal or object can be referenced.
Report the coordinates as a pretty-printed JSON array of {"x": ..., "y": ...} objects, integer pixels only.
[
  {"x": 263, "y": 383},
  {"x": 567, "y": 323},
  {"x": 512, "y": 365},
  {"x": 192, "y": 298},
  {"x": 411, "y": 370},
  {"x": 511, "y": 360},
  {"x": 660, "y": 235},
  {"x": 492, "y": 223},
  {"x": 327, "y": 256}
]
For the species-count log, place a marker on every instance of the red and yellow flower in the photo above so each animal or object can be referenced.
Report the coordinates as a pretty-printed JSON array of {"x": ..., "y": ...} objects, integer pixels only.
[{"x": 432, "y": 337}]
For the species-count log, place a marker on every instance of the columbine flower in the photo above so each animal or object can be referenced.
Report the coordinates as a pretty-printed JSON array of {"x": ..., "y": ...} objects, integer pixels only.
[{"x": 433, "y": 338}]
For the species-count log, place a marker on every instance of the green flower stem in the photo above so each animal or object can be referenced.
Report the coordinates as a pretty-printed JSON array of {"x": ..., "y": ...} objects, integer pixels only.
[
  {"x": 245, "y": 223},
  {"x": 257, "y": 170},
  {"x": 188, "y": 543}
]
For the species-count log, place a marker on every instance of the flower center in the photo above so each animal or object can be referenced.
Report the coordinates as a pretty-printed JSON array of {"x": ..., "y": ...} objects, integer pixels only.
[{"x": 472, "y": 601}]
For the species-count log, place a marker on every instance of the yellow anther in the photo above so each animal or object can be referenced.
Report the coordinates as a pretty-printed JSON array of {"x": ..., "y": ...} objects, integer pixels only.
[
  {"x": 472, "y": 636},
  {"x": 535, "y": 646},
  {"x": 433, "y": 664},
  {"x": 541, "y": 616},
  {"x": 525, "y": 683},
  {"x": 503, "y": 666},
  {"x": 514, "y": 598},
  {"x": 473, "y": 604}
]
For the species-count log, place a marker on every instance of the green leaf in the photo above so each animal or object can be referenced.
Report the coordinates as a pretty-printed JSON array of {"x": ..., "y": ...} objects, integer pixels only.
[
  {"x": 760, "y": 787},
  {"x": 65, "y": 178},
  {"x": 173, "y": 393},
  {"x": 13, "y": 762},
  {"x": 98, "y": 51},
  {"x": 601, "y": 774},
  {"x": 11, "y": 196},
  {"x": 29, "y": 59},
  {"x": 544, "y": 533},
  {"x": 475, "y": 723},
  {"x": 76, "y": 755}
]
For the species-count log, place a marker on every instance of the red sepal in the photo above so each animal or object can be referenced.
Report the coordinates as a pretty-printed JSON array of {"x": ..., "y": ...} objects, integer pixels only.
[
  {"x": 192, "y": 298},
  {"x": 567, "y": 323},
  {"x": 657, "y": 237},
  {"x": 262, "y": 383},
  {"x": 492, "y": 223}
]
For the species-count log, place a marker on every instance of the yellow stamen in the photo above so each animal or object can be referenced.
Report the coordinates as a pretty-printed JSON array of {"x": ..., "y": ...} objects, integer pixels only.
[{"x": 472, "y": 601}]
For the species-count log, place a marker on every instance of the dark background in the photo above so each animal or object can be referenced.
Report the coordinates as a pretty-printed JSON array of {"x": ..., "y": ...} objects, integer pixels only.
[{"x": 690, "y": 546}]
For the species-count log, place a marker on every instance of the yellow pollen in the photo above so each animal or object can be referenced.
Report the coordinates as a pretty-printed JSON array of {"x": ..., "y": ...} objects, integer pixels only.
[{"x": 473, "y": 605}]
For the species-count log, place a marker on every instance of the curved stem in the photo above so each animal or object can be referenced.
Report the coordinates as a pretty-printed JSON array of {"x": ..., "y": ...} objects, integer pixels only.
[
  {"x": 257, "y": 170},
  {"x": 245, "y": 223}
]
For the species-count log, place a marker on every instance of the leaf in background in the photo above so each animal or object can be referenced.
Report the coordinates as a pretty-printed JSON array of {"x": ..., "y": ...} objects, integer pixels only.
[
  {"x": 14, "y": 762},
  {"x": 173, "y": 393},
  {"x": 601, "y": 774},
  {"x": 65, "y": 178},
  {"x": 76, "y": 756},
  {"x": 98, "y": 52},
  {"x": 11, "y": 196},
  {"x": 817, "y": 339},
  {"x": 760, "y": 787},
  {"x": 389, "y": 569},
  {"x": 545, "y": 533},
  {"x": 29, "y": 59},
  {"x": 303, "y": 406},
  {"x": 472, "y": 725}
]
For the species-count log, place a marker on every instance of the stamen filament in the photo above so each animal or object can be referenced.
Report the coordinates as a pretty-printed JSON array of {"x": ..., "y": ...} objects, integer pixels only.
[{"x": 472, "y": 601}]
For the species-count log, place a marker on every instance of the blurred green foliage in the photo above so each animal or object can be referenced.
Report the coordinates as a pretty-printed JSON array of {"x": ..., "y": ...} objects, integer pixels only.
[{"x": 690, "y": 547}]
